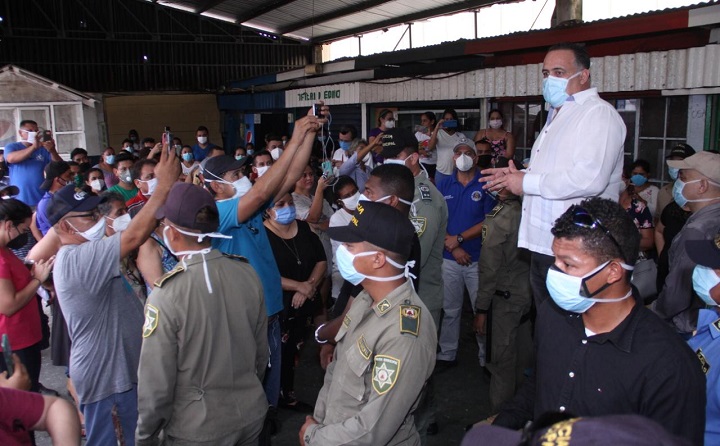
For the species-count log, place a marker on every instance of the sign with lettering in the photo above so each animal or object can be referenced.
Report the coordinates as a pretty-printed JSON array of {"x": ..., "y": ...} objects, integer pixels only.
[{"x": 330, "y": 94}]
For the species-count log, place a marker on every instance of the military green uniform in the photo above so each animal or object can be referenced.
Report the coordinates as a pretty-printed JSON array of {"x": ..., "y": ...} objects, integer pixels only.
[
  {"x": 384, "y": 356},
  {"x": 430, "y": 221},
  {"x": 505, "y": 286},
  {"x": 203, "y": 355}
]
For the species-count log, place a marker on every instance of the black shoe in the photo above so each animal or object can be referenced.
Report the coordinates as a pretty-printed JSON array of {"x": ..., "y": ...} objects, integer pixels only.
[
  {"x": 442, "y": 365},
  {"x": 45, "y": 391},
  {"x": 432, "y": 429},
  {"x": 292, "y": 403}
]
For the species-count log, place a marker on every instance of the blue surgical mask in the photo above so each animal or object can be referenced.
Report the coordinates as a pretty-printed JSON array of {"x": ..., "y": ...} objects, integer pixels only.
[
  {"x": 285, "y": 215},
  {"x": 705, "y": 279},
  {"x": 572, "y": 294},
  {"x": 638, "y": 180},
  {"x": 673, "y": 172},
  {"x": 187, "y": 157},
  {"x": 345, "y": 262},
  {"x": 680, "y": 199},
  {"x": 250, "y": 152},
  {"x": 345, "y": 145},
  {"x": 554, "y": 89},
  {"x": 110, "y": 159}
]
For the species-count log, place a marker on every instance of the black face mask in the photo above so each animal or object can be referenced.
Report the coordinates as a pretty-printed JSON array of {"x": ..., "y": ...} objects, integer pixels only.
[
  {"x": 485, "y": 161},
  {"x": 19, "y": 241}
]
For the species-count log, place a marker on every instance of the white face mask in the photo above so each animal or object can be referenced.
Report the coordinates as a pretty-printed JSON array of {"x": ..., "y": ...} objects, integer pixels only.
[
  {"x": 202, "y": 139},
  {"x": 96, "y": 232},
  {"x": 97, "y": 184},
  {"x": 351, "y": 203},
  {"x": 151, "y": 184},
  {"x": 120, "y": 223},
  {"x": 182, "y": 255},
  {"x": 495, "y": 123},
  {"x": 261, "y": 170},
  {"x": 30, "y": 137},
  {"x": 390, "y": 124},
  {"x": 398, "y": 161},
  {"x": 464, "y": 163},
  {"x": 275, "y": 153}
]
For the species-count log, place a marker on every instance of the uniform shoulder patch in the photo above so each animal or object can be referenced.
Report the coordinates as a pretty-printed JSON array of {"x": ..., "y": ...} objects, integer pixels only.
[
  {"x": 167, "y": 276},
  {"x": 424, "y": 190},
  {"x": 238, "y": 258},
  {"x": 383, "y": 306},
  {"x": 385, "y": 373},
  {"x": 703, "y": 361},
  {"x": 410, "y": 319},
  {"x": 498, "y": 207},
  {"x": 152, "y": 315},
  {"x": 420, "y": 224}
]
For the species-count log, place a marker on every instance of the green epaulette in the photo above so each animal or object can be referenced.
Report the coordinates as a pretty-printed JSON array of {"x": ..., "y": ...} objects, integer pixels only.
[
  {"x": 238, "y": 258},
  {"x": 173, "y": 272}
]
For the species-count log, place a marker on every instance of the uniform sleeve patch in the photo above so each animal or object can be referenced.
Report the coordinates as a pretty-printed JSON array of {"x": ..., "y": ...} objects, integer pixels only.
[
  {"x": 346, "y": 321},
  {"x": 152, "y": 315},
  {"x": 363, "y": 347},
  {"x": 410, "y": 319},
  {"x": 385, "y": 373},
  {"x": 420, "y": 224}
]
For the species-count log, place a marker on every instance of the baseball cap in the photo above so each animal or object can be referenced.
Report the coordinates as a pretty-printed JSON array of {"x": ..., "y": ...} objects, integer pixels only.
[
  {"x": 621, "y": 430},
  {"x": 705, "y": 252},
  {"x": 681, "y": 150},
  {"x": 379, "y": 224},
  {"x": 5, "y": 186},
  {"x": 465, "y": 143},
  {"x": 218, "y": 166},
  {"x": 707, "y": 163},
  {"x": 53, "y": 170},
  {"x": 183, "y": 203},
  {"x": 69, "y": 199},
  {"x": 396, "y": 140}
]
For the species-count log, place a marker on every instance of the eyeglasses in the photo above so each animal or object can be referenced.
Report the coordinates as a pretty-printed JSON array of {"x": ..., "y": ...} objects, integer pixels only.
[
  {"x": 584, "y": 219},
  {"x": 94, "y": 216}
]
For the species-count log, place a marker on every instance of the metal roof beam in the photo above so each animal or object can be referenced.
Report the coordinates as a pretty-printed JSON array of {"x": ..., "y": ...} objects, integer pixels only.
[
  {"x": 260, "y": 10},
  {"x": 332, "y": 15},
  {"x": 207, "y": 4},
  {"x": 420, "y": 15}
]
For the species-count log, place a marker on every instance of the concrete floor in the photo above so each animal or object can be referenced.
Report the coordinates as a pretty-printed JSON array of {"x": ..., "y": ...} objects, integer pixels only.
[{"x": 461, "y": 392}]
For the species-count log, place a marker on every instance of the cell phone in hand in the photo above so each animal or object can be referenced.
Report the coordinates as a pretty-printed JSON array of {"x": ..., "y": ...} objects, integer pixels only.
[
  {"x": 327, "y": 168},
  {"x": 450, "y": 124},
  {"x": 7, "y": 355},
  {"x": 46, "y": 136},
  {"x": 167, "y": 138}
]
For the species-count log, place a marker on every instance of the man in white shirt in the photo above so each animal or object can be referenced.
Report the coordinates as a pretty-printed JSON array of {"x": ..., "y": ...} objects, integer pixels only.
[{"x": 578, "y": 154}]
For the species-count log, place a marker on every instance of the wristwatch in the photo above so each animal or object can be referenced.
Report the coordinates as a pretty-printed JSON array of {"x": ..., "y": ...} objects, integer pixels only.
[{"x": 460, "y": 239}]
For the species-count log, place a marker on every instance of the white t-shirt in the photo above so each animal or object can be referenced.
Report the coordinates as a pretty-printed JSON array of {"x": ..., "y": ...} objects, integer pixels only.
[{"x": 444, "y": 148}]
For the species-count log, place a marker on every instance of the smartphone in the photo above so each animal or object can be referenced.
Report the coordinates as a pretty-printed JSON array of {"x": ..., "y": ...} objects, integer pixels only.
[
  {"x": 317, "y": 110},
  {"x": 450, "y": 124},
  {"x": 46, "y": 136},
  {"x": 7, "y": 355},
  {"x": 327, "y": 168},
  {"x": 167, "y": 138}
]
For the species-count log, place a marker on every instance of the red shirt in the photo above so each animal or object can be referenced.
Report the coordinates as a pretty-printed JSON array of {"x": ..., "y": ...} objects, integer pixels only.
[
  {"x": 19, "y": 411},
  {"x": 23, "y": 327},
  {"x": 136, "y": 203}
]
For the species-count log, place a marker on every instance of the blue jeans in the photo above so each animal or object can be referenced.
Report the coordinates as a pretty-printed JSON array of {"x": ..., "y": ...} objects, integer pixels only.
[
  {"x": 271, "y": 384},
  {"x": 98, "y": 418}
]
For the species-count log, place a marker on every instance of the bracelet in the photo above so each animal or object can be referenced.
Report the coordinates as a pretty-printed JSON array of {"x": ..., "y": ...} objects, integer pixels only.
[{"x": 317, "y": 335}]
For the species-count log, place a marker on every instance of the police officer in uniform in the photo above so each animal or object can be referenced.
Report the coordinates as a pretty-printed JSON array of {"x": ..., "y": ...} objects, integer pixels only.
[
  {"x": 386, "y": 346},
  {"x": 204, "y": 348},
  {"x": 504, "y": 294}
]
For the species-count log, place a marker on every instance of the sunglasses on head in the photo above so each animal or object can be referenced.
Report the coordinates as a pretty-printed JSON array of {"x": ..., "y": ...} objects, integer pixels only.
[{"x": 583, "y": 218}]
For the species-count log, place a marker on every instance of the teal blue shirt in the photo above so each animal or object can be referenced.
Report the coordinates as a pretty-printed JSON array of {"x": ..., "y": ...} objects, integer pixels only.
[{"x": 250, "y": 240}]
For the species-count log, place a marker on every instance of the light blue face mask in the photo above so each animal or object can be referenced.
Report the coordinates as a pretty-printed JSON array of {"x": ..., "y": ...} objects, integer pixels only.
[
  {"x": 554, "y": 89},
  {"x": 571, "y": 293},
  {"x": 704, "y": 280},
  {"x": 187, "y": 157},
  {"x": 345, "y": 145},
  {"x": 345, "y": 262},
  {"x": 285, "y": 215},
  {"x": 681, "y": 200},
  {"x": 638, "y": 180},
  {"x": 673, "y": 172}
]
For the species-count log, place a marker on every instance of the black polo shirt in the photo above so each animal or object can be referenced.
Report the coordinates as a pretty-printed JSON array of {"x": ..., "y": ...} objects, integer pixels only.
[{"x": 640, "y": 367}]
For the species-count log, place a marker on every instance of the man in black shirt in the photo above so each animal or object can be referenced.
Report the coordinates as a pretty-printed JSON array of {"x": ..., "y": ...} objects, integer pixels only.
[{"x": 599, "y": 350}]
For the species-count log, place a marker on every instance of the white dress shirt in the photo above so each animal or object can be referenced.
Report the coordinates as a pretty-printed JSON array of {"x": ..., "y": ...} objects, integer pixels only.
[{"x": 578, "y": 155}]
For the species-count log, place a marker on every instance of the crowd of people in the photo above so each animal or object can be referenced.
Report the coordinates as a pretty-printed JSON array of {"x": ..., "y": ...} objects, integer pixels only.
[{"x": 184, "y": 280}]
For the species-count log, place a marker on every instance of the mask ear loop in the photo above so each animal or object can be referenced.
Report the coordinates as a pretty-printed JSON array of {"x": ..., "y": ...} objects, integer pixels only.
[{"x": 202, "y": 252}]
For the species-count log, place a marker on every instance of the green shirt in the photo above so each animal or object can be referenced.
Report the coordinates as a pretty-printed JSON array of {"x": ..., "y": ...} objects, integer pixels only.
[{"x": 126, "y": 194}]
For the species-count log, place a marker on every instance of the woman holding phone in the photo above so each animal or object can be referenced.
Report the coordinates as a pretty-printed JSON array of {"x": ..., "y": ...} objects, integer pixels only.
[{"x": 19, "y": 307}]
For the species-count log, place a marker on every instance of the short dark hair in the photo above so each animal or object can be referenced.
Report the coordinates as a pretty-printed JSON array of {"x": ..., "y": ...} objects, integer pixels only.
[
  {"x": 148, "y": 139},
  {"x": 78, "y": 151},
  {"x": 496, "y": 110},
  {"x": 202, "y": 128},
  {"x": 27, "y": 121},
  {"x": 582, "y": 58},
  {"x": 126, "y": 140},
  {"x": 72, "y": 164},
  {"x": 207, "y": 220},
  {"x": 14, "y": 210},
  {"x": 107, "y": 198},
  {"x": 594, "y": 240},
  {"x": 263, "y": 152},
  {"x": 123, "y": 156},
  {"x": 86, "y": 175},
  {"x": 396, "y": 180},
  {"x": 272, "y": 137},
  {"x": 343, "y": 181},
  {"x": 138, "y": 166},
  {"x": 349, "y": 128},
  {"x": 452, "y": 112},
  {"x": 644, "y": 164}
]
